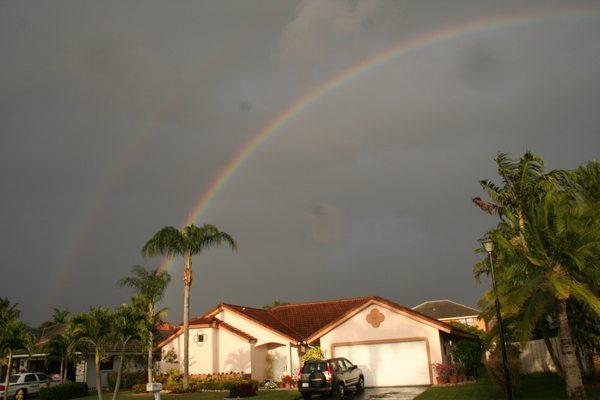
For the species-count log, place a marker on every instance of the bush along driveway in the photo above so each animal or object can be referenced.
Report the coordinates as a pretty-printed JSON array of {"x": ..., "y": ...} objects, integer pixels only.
[{"x": 544, "y": 386}]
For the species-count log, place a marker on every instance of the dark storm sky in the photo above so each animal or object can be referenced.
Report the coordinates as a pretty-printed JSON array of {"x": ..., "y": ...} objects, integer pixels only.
[{"x": 116, "y": 116}]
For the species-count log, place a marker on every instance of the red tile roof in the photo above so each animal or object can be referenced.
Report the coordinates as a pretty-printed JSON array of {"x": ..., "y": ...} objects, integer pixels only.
[
  {"x": 212, "y": 321},
  {"x": 300, "y": 321}
]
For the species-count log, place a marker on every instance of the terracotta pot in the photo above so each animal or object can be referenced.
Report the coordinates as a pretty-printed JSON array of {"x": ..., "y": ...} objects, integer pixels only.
[
  {"x": 453, "y": 379},
  {"x": 440, "y": 380}
]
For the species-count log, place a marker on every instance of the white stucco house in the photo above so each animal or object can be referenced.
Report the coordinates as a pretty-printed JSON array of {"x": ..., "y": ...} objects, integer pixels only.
[{"x": 392, "y": 344}]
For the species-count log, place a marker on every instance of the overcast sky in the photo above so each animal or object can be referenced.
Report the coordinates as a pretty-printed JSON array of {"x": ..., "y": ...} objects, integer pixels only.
[{"x": 116, "y": 116}]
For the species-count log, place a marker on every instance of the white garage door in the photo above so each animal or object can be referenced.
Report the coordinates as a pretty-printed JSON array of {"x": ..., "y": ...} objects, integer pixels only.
[{"x": 389, "y": 364}]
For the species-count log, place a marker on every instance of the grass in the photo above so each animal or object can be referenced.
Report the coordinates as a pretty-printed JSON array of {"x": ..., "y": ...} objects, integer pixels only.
[
  {"x": 262, "y": 395},
  {"x": 544, "y": 386}
]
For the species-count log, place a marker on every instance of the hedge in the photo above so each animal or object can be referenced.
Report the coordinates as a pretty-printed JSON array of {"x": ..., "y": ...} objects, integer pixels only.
[
  {"x": 64, "y": 391},
  {"x": 128, "y": 379},
  {"x": 243, "y": 389}
]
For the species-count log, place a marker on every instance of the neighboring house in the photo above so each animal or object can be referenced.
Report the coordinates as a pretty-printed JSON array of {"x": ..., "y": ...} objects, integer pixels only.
[
  {"x": 84, "y": 369},
  {"x": 392, "y": 344},
  {"x": 451, "y": 311}
]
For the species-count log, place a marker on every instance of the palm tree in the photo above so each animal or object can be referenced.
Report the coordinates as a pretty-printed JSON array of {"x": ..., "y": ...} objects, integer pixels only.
[
  {"x": 557, "y": 266},
  {"x": 128, "y": 324},
  {"x": 189, "y": 241},
  {"x": 150, "y": 287},
  {"x": 8, "y": 311},
  {"x": 13, "y": 335},
  {"x": 94, "y": 328}
]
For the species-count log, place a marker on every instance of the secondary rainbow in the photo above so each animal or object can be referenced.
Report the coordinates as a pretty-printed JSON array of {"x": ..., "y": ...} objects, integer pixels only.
[{"x": 355, "y": 71}]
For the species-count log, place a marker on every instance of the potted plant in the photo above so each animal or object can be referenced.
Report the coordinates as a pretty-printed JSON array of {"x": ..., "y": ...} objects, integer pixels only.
[
  {"x": 442, "y": 372},
  {"x": 454, "y": 371}
]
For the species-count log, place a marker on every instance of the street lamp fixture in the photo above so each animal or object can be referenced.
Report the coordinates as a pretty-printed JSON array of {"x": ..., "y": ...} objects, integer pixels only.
[{"x": 488, "y": 245}]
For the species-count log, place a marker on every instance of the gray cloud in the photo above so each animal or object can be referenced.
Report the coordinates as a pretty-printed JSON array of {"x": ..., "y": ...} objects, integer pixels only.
[{"x": 115, "y": 117}]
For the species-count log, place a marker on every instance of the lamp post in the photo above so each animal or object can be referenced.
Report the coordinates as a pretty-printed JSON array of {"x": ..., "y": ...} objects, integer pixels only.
[{"x": 488, "y": 245}]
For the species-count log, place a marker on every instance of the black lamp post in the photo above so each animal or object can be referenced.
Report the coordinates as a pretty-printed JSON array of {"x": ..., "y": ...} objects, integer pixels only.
[{"x": 488, "y": 244}]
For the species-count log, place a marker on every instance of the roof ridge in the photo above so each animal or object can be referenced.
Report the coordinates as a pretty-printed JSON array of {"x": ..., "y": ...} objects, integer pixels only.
[
  {"x": 448, "y": 300},
  {"x": 240, "y": 306},
  {"x": 323, "y": 301}
]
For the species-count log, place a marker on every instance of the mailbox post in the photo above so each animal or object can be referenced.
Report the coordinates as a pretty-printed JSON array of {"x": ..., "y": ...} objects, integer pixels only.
[{"x": 155, "y": 388}]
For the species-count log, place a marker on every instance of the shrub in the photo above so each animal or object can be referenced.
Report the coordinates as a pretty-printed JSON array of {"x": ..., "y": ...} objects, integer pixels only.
[
  {"x": 64, "y": 391},
  {"x": 270, "y": 385},
  {"x": 469, "y": 353},
  {"x": 175, "y": 376},
  {"x": 247, "y": 388},
  {"x": 138, "y": 388},
  {"x": 496, "y": 370},
  {"x": 443, "y": 370},
  {"x": 128, "y": 379},
  {"x": 314, "y": 353},
  {"x": 177, "y": 387}
]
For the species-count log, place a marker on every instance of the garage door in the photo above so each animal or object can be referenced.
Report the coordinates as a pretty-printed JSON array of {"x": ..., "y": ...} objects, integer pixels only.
[{"x": 389, "y": 364}]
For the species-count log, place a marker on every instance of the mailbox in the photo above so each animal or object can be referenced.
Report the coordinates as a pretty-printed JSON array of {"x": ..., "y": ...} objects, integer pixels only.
[{"x": 154, "y": 387}]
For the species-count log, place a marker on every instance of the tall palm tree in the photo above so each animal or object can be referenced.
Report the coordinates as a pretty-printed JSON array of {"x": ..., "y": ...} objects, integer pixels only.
[
  {"x": 128, "y": 324},
  {"x": 94, "y": 328},
  {"x": 189, "y": 241},
  {"x": 14, "y": 335},
  {"x": 150, "y": 287},
  {"x": 558, "y": 265}
]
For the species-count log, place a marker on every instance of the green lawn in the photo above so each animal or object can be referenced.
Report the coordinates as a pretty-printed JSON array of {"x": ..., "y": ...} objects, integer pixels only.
[
  {"x": 533, "y": 387},
  {"x": 262, "y": 395}
]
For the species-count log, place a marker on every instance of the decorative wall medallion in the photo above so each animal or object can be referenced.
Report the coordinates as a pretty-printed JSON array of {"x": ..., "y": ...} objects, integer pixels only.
[{"x": 375, "y": 318}]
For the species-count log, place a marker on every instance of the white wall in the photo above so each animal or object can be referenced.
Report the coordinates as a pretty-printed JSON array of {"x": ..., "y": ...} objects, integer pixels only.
[
  {"x": 201, "y": 356},
  {"x": 235, "y": 353},
  {"x": 394, "y": 326}
]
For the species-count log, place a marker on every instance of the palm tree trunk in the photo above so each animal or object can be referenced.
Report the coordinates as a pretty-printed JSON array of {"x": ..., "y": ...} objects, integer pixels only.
[
  {"x": 8, "y": 367},
  {"x": 98, "y": 378},
  {"x": 187, "y": 283},
  {"x": 119, "y": 372},
  {"x": 62, "y": 376},
  {"x": 150, "y": 342},
  {"x": 591, "y": 365},
  {"x": 575, "y": 389}
]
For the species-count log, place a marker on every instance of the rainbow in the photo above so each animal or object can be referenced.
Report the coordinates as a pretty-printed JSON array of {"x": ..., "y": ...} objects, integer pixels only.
[{"x": 357, "y": 70}]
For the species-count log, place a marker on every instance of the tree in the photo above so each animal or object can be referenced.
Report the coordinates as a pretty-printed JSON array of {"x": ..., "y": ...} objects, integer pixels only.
[
  {"x": 150, "y": 287},
  {"x": 276, "y": 303},
  {"x": 62, "y": 347},
  {"x": 546, "y": 242},
  {"x": 558, "y": 265},
  {"x": 188, "y": 242},
  {"x": 128, "y": 323},
  {"x": 14, "y": 335},
  {"x": 94, "y": 328},
  {"x": 58, "y": 317}
]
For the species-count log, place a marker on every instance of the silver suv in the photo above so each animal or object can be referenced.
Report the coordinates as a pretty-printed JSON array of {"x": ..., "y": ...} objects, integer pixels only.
[{"x": 331, "y": 376}]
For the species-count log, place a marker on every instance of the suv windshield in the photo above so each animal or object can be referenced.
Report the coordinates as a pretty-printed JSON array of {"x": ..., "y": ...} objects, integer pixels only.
[
  {"x": 13, "y": 379},
  {"x": 314, "y": 366}
]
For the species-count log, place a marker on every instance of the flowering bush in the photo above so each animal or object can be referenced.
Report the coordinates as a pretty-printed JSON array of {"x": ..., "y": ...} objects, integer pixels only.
[
  {"x": 287, "y": 379},
  {"x": 270, "y": 385},
  {"x": 444, "y": 370}
]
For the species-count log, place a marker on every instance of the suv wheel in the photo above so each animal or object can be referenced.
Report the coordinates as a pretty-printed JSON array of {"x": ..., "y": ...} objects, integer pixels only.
[
  {"x": 360, "y": 386},
  {"x": 340, "y": 391},
  {"x": 306, "y": 396}
]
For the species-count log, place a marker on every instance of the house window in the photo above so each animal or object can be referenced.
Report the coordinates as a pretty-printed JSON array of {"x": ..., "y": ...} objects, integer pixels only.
[{"x": 106, "y": 365}]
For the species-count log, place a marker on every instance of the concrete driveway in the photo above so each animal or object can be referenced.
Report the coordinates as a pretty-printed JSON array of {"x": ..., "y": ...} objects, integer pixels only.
[{"x": 398, "y": 393}]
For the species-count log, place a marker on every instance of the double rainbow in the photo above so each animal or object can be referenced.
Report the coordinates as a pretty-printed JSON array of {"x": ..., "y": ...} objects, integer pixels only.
[{"x": 356, "y": 71}]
